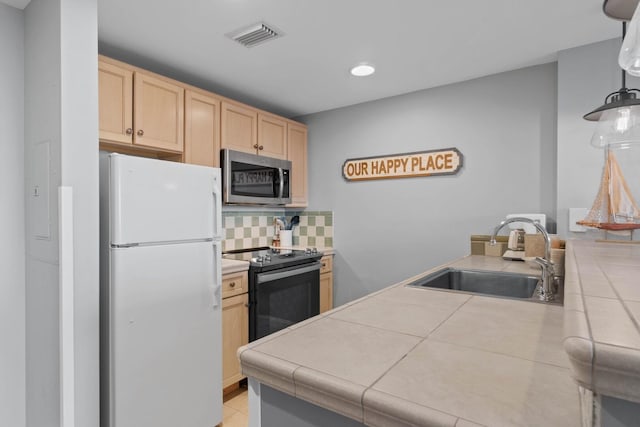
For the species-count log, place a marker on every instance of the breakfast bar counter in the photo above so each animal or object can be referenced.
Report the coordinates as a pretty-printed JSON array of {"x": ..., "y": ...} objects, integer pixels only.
[
  {"x": 424, "y": 357},
  {"x": 602, "y": 317}
]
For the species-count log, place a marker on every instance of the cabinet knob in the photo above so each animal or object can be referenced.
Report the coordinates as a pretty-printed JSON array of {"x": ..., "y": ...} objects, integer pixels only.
[
  {"x": 324, "y": 264},
  {"x": 140, "y": 132},
  {"x": 232, "y": 284},
  {"x": 129, "y": 131},
  {"x": 255, "y": 145},
  {"x": 261, "y": 148}
]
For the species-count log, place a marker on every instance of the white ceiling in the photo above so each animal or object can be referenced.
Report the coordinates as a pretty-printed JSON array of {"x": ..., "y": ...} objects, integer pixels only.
[{"x": 414, "y": 44}]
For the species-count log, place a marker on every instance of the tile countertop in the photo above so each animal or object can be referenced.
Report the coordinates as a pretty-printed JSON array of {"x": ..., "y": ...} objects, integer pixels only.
[
  {"x": 602, "y": 314},
  {"x": 407, "y": 356}
]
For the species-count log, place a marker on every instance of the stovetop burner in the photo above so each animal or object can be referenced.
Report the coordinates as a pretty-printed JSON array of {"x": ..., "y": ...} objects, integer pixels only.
[{"x": 265, "y": 258}]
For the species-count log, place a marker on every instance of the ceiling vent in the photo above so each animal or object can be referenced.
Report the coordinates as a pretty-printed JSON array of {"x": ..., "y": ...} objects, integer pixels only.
[{"x": 255, "y": 34}]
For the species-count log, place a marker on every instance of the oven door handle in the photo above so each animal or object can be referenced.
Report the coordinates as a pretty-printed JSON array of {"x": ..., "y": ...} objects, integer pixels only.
[{"x": 270, "y": 277}]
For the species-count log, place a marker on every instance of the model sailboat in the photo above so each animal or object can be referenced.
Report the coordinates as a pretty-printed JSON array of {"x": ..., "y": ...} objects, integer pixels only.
[{"x": 614, "y": 207}]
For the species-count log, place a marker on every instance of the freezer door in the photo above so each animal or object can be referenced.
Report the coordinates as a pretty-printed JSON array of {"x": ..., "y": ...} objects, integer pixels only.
[
  {"x": 160, "y": 201},
  {"x": 164, "y": 352}
]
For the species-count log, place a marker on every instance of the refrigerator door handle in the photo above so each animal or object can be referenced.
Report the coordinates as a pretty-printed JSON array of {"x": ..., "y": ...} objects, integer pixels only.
[
  {"x": 216, "y": 286},
  {"x": 217, "y": 201}
]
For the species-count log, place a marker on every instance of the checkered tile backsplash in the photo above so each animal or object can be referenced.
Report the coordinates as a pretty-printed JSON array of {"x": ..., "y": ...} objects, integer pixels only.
[{"x": 252, "y": 229}]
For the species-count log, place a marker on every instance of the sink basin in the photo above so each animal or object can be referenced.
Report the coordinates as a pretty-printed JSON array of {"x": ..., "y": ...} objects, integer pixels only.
[{"x": 503, "y": 284}]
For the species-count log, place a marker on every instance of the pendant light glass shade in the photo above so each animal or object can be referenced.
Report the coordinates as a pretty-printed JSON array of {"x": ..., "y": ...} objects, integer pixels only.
[
  {"x": 629, "y": 57},
  {"x": 619, "y": 117},
  {"x": 618, "y": 127}
]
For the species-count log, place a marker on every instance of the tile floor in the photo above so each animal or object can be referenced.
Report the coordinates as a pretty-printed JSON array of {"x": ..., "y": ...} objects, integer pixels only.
[{"x": 235, "y": 411}]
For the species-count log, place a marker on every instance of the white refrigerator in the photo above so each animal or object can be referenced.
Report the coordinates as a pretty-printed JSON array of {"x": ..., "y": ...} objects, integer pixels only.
[{"x": 160, "y": 300}]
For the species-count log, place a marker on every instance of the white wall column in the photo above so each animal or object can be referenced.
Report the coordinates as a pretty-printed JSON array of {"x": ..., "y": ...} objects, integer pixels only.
[{"x": 61, "y": 149}]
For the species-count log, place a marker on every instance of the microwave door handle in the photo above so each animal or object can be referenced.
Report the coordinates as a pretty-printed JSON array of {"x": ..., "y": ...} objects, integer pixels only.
[{"x": 281, "y": 172}]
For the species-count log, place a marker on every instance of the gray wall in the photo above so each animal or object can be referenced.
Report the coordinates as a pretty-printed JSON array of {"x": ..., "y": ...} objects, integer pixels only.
[
  {"x": 616, "y": 412},
  {"x": 61, "y": 113},
  {"x": 278, "y": 409},
  {"x": 388, "y": 230},
  {"x": 586, "y": 75},
  {"x": 12, "y": 257}
]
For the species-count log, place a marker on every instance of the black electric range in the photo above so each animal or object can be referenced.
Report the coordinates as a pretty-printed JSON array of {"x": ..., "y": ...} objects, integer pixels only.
[{"x": 284, "y": 287}]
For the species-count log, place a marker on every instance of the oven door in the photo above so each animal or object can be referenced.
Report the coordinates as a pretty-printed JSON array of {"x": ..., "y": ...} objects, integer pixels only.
[{"x": 280, "y": 298}]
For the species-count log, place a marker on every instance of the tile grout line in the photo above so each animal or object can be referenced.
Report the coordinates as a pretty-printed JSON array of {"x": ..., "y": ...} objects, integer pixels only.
[
  {"x": 574, "y": 260},
  {"x": 422, "y": 340},
  {"x": 620, "y": 299},
  {"x": 500, "y": 354}
]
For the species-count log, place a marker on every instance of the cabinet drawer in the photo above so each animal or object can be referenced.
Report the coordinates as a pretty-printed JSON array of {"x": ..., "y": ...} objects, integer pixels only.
[
  {"x": 234, "y": 284},
  {"x": 326, "y": 264}
]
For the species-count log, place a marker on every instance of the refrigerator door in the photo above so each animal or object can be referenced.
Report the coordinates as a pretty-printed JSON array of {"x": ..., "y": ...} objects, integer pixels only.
[
  {"x": 155, "y": 201},
  {"x": 165, "y": 356}
]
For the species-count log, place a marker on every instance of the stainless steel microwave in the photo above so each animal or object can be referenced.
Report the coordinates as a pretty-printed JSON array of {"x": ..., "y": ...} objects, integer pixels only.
[{"x": 249, "y": 179}]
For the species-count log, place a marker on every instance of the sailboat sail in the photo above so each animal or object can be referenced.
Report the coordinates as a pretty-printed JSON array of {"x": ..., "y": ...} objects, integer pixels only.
[
  {"x": 623, "y": 207},
  {"x": 614, "y": 207}
]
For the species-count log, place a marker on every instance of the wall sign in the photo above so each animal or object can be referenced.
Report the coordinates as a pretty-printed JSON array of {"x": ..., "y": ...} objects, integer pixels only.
[{"x": 447, "y": 161}]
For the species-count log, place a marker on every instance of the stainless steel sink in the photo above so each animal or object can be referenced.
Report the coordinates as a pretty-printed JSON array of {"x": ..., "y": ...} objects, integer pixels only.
[{"x": 510, "y": 285}]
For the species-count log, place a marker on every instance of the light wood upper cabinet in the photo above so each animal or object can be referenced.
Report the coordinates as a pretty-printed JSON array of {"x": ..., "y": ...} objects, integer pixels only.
[
  {"x": 239, "y": 128},
  {"x": 245, "y": 129},
  {"x": 297, "y": 154},
  {"x": 202, "y": 129},
  {"x": 139, "y": 109},
  {"x": 159, "y": 113},
  {"x": 115, "y": 85},
  {"x": 146, "y": 114},
  {"x": 272, "y": 136}
]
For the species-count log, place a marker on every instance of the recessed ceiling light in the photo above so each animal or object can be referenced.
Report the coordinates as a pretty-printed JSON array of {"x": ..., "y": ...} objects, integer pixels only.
[{"x": 363, "y": 70}]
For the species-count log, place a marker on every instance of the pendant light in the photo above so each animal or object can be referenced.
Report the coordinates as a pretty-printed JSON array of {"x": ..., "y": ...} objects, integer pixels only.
[
  {"x": 619, "y": 117},
  {"x": 629, "y": 58}
]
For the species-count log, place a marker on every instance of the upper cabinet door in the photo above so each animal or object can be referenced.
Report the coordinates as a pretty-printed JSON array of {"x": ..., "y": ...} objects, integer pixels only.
[
  {"x": 297, "y": 154},
  {"x": 159, "y": 113},
  {"x": 202, "y": 129},
  {"x": 272, "y": 136},
  {"x": 115, "y": 103},
  {"x": 239, "y": 128}
]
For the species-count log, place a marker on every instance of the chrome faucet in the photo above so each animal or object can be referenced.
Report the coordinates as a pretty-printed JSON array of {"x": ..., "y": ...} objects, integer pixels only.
[{"x": 545, "y": 286}]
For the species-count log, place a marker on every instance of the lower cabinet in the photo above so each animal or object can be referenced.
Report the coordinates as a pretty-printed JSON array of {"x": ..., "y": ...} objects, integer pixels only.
[
  {"x": 326, "y": 283},
  {"x": 235, "y": 325}
]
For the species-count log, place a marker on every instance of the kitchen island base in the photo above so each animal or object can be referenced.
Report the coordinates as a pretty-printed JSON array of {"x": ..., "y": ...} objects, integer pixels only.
[
  {"x": 616, "y": 412},
  {"x": 272, "y": 408}
]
